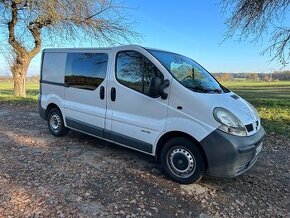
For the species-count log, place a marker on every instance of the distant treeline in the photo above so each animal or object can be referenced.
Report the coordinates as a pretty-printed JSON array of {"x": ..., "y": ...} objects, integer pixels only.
[
  {"x": 34, "y": 79},
  {"x": 267, "y": 77}
]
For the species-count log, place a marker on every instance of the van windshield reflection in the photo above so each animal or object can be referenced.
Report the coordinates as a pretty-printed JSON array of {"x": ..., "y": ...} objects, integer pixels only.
[{"x": 188, "y": 72}]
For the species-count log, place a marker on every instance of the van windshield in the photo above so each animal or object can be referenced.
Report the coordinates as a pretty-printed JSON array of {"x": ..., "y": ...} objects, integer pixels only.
[{"x": 188, "y": 72}]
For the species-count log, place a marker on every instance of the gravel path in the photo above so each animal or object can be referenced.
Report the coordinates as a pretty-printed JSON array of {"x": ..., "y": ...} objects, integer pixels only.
[{"x": 80, "y": 176}]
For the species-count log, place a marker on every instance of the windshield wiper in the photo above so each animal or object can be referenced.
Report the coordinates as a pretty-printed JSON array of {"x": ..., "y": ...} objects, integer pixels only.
[
  {"x": 214, "y": 90},
  {"x": 205, "y": 90}
]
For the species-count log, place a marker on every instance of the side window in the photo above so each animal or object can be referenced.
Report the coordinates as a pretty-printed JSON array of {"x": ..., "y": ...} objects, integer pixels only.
[
  {"x": 85, "y": 70},
  {"x": 135, "y": 71}
]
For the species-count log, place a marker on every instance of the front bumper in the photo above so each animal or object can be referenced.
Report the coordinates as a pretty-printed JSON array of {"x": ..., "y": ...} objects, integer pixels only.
[{"x": 228, "y": 155}]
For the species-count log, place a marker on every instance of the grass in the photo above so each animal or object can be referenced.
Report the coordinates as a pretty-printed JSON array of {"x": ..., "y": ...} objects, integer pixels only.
[
  {"x": 271, "y": 99},
  {"x": 6, "y": 93}
]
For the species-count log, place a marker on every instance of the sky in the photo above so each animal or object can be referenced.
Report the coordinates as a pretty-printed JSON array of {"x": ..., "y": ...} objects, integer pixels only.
[{"x": 193, "y": 28}]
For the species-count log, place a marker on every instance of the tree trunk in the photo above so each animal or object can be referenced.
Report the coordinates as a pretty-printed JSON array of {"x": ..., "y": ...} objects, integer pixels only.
[{"x": 19, "y": 71}]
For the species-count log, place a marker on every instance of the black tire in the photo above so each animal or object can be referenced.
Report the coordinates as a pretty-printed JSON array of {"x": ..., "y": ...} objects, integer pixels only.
[
  {"x": 55, "y": 123},
  {"x": 182, "y": 160}
]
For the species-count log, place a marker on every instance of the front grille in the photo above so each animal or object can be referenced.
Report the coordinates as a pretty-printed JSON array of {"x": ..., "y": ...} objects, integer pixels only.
[
  {"x": 253, "y": 126},
  {"x": 249, "y": 127}
]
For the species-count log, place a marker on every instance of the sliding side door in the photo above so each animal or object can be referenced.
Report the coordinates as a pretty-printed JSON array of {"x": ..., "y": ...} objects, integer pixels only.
[{"x": 85, "y": 85}]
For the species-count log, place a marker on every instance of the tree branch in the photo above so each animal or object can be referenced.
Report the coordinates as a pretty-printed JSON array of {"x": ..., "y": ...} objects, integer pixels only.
[
  {"x": 35, "y": 31},
  {"x": 250, "y": 19},
  {"x": 16, "y": 45},
  {"x": 102, "y": 10},
  {"x": 35, "y": 27}
]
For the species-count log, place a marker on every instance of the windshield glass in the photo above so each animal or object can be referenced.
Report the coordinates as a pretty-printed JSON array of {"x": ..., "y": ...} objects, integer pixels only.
[{"x": 188, "y": 73}]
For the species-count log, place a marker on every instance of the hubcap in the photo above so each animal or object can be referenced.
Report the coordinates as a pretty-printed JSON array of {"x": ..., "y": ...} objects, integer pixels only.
[
  {"x": 55, "y": 122},
  {"x": 181, "y": 161}
]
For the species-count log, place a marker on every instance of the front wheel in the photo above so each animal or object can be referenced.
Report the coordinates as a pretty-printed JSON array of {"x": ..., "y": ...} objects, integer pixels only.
[
  {"x": 182, "y": 160},
  {"x": 55, "y": 123}
]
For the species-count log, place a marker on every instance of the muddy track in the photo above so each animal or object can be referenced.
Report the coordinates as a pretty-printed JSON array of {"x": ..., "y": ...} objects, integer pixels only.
[{"x": 78, "y": 175}]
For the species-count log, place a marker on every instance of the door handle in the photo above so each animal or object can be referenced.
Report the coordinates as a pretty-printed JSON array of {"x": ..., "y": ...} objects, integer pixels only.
[
  {"x": 113, "y": 93},
  {"x": 102, "y": 92}
]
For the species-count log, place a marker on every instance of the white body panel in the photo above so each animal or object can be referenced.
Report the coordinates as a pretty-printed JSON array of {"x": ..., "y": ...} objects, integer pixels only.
[
  {"x": 195, "y": 118},
  {"x": 134, "y": 114},
  {"x": 53, "y": 71},
  {"x": 86, "y": 105}
]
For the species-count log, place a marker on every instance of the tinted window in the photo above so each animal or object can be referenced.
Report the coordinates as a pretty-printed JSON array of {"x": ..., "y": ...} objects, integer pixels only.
[
  {"x": 85, "y": 70},
  {"x": 136, "y": 71}
]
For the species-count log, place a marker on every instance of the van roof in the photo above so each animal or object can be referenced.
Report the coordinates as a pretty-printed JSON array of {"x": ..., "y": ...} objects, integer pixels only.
[{"x": 96, "y": 48}]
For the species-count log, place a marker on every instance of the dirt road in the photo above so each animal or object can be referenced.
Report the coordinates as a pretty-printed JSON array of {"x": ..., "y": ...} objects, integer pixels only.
[{"x": 78, "y": 175}]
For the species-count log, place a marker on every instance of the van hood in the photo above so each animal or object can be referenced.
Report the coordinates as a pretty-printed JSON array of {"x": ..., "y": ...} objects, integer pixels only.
[{"x": 237, "y": 105}]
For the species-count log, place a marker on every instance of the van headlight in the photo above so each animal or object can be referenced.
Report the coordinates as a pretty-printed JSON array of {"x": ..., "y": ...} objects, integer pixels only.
[{"x": 230, "y": 123}]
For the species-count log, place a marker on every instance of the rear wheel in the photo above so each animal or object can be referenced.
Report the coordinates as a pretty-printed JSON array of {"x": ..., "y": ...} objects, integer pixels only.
[
  {"x": 55, "y": 123},
  {"x": 182, "y": 160}
]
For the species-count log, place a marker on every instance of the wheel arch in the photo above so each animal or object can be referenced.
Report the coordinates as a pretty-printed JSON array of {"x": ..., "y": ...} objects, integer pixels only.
[
  {"x": 49, "y": 107},
  {"x": 173, "y": 134}
]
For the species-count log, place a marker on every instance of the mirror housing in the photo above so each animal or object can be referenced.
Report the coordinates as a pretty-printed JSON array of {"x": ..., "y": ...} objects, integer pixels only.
[
  {"x": 157, "y": 87},
  {"x": 154, "y": 87},
  {"x": 164, "y": 85}
]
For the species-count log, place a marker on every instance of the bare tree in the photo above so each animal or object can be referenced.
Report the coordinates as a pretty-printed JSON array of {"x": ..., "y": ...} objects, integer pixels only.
[
  {"x": 250, "y": 19},
  {"x": 27, "y": 23}
]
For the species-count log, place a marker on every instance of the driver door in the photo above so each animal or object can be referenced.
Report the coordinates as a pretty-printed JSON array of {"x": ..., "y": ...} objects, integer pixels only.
[{"x": 137, "y": 118}]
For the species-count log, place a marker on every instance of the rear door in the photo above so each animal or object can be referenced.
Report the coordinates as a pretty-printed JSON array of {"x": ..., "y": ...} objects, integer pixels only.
[
  {"x": 137, "y": 119},
  {"x": 85, "y": 85}
]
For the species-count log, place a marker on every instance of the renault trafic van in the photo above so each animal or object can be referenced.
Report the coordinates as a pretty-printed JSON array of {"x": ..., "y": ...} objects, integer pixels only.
[{"x": 157, "y": 102}]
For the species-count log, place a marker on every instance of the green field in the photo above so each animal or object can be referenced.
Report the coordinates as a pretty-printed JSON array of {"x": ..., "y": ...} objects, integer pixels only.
[
  {"x": 272, "y": 100},
  {"x": 6, "y": 92}
]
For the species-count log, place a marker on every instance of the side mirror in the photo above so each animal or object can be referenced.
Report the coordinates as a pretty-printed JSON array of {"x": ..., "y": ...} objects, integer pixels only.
[
  {"x": 164, "y": 85},
  {"x": 154, "y": 87}
]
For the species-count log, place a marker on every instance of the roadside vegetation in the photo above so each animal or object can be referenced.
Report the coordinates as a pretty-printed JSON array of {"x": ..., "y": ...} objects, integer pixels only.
[
  {"x": 271, "y": 99},
  {"x": 6, "y": 92}
]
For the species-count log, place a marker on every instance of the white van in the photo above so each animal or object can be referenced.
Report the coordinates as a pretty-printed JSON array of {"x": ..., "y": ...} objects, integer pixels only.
[{"x": 157, "y": 102}]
